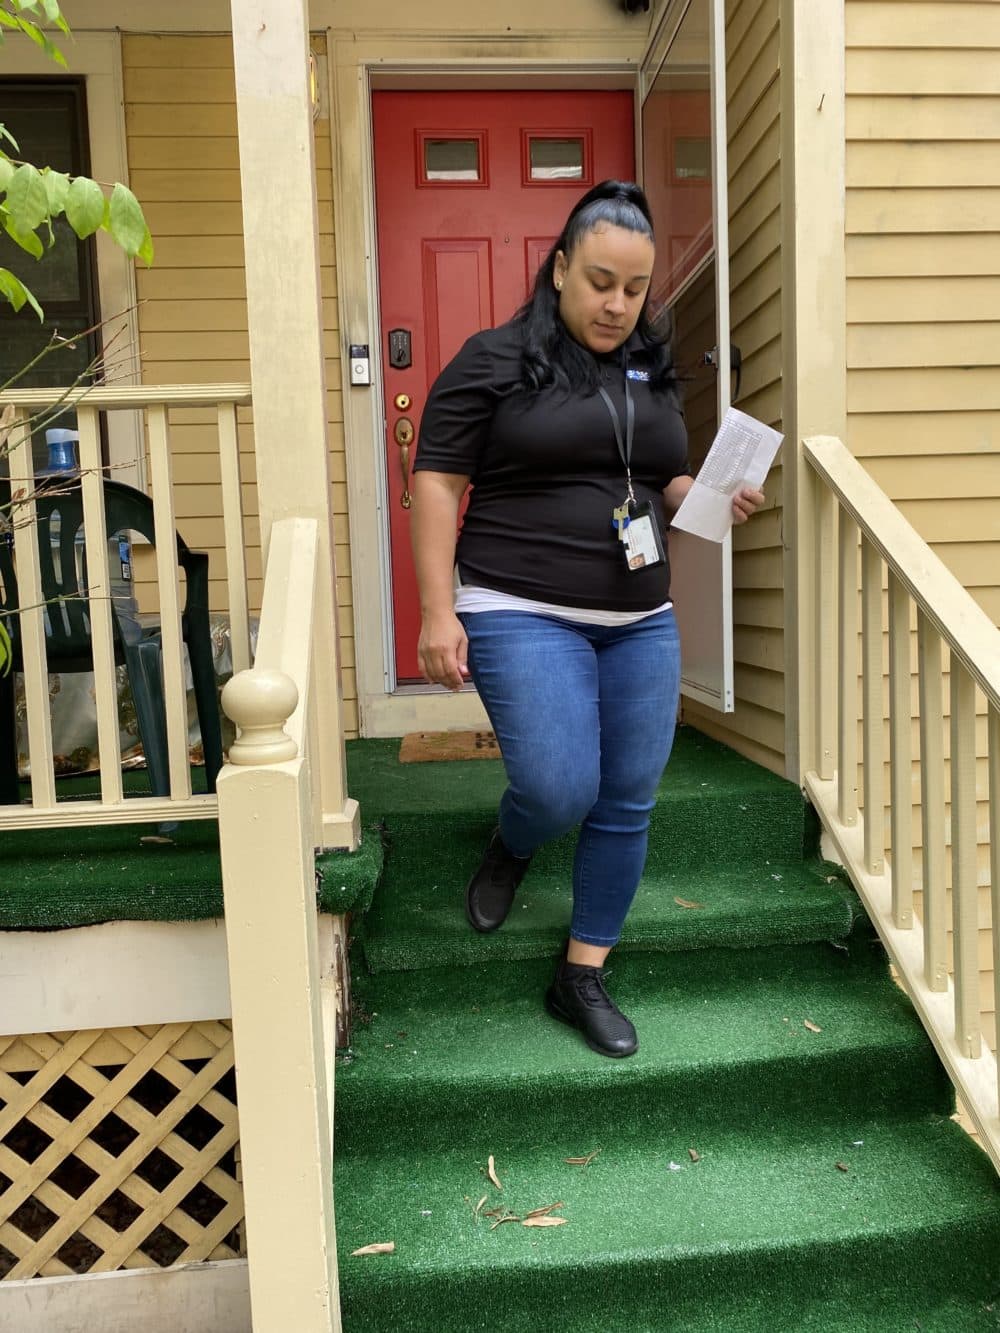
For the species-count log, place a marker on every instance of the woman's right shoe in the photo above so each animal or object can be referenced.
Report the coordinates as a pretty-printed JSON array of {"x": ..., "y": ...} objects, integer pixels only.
[
  {"x": 489, "y": 894},
  {"x": 577, "y": 997}
]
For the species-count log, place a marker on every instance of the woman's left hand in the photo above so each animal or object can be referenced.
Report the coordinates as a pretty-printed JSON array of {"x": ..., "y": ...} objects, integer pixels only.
[{"x": 746, "y": 502}]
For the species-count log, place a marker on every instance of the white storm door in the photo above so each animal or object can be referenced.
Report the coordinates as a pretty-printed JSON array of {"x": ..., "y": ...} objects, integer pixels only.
[{"x": 682, "y": 93}]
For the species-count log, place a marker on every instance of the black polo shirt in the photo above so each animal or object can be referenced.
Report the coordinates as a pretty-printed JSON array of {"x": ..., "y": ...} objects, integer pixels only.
[{"x": 546, "y": 474}]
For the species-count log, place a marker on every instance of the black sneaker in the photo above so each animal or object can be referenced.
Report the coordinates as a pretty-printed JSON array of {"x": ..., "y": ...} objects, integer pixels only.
[
  {"x": 577, "y": 997},
  {"x": 489, "y": 894}
]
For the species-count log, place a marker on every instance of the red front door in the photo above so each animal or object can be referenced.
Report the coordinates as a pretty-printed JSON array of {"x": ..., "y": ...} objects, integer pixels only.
[{"x": 471, "y": 190}]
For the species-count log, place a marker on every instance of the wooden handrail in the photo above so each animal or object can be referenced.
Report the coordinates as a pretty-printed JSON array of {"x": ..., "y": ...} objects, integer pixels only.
[
  {"x": 955, "y": 614},
  {"x": 108, "y": 396},
  {"x": 946, "y": 617}
]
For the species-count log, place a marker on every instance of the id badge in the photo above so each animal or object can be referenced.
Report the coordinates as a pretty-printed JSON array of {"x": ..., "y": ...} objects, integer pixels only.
[{"x": 642, "y": 544}]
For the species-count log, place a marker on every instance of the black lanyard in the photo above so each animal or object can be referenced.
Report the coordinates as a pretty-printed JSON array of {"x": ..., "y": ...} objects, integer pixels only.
[{"x": 624, "y": 446}]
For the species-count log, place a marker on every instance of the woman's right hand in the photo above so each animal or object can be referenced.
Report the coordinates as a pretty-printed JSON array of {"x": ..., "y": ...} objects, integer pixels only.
[{"x": 443, "y": 650}]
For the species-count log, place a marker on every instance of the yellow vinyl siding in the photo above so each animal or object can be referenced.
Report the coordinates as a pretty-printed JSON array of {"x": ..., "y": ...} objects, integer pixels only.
[
  {"x": 923, "y": 292},
  {"x": 757, "y": 727},
  {"x": 180, "y": 113}
]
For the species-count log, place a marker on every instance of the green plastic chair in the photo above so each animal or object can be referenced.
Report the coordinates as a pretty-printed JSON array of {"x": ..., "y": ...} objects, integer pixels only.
[{"x": 68, "y": 637}]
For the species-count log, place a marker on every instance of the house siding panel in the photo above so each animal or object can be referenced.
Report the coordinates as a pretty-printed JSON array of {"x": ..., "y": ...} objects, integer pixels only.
[
  {"x": 180, "y": 115},
  {"x": 923, "y": 259}
]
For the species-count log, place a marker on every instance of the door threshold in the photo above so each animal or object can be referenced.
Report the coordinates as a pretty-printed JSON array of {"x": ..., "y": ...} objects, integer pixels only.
[{"x": 422, "y": 687}]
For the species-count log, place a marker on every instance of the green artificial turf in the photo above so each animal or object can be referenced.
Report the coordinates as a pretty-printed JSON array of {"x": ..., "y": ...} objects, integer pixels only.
[
  {"x": 83, "y": 875},
  {"x": 764, "y": 1231},
  {"x": 454, "y": 1059},
  {"x": 725, "y": 834},
  {"x": 443, "y": 1053}
]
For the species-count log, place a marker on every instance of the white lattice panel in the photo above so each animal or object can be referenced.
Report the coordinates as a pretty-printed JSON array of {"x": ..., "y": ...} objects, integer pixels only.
[{"x": 118, "y": 1149}]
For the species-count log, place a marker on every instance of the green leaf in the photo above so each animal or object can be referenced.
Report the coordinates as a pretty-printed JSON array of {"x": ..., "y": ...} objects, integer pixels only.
[
  {"x": 54, "y": 15},
  {"x": 30, "y": 29},
  {"x": 6, "y": 134},
  {"x": 126, "y": 222},
  {"x": 145, "y": 251},
  {"x": 15, "y": 292},
  {"x": 84, "y": 206},
  {"x": 6, "y": 651},
  {"x": 42, "y": 39},
  {"x": 27, "y": 240},
  {"x": 27, "y": 201},
  {"x": 11, "y": 289},
  {"x": 6, "y": 172},
  {"x": 56, "y": 189}
]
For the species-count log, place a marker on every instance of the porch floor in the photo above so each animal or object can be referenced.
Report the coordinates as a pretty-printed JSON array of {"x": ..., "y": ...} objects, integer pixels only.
[{"x": 81, "y": 876}]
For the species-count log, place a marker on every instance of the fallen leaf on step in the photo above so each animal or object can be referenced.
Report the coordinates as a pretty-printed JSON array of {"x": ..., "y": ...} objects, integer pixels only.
[
  {"x": 684, "y": 902},
  {"x": 582, "y": 1161},
  {"x": 542, "y": 1212},
  {"x": 694, "y": 1154},
  {"x": 491, "y": 1171},
  {"x": 544, "y": 1222},
  {"x": 157, "y": 840},
  {"x": 842, "y": 1166},
  {"x": 379, "y": 1247},
  {"x": 504, "y": 1217},
  {"x": 478, "y": 1206},
  {"x": 812, "y": 1026}
]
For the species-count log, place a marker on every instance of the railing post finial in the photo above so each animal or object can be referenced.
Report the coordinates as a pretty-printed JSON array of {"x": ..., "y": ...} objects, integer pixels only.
[{"x": 260, "y": 702}]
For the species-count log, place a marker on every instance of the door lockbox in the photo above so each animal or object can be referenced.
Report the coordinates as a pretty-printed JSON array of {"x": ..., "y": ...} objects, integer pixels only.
[{"x": 400, "y": 349}]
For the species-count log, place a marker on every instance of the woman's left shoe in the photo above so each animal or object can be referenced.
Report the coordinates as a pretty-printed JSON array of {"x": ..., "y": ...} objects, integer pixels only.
[
  {"x": 489, "y": 894},
  {"x": 577, "y": 997}
]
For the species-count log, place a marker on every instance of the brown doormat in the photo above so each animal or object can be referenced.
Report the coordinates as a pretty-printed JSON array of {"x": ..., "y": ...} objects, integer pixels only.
[{"x": 421, "y": 747}]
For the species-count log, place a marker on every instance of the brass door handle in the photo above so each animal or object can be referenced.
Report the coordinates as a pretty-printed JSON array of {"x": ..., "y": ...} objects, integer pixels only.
[{"x": 403, "y": 433}]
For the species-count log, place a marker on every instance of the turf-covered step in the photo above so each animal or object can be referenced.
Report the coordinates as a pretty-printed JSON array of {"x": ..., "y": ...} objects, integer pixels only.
[
  {"x": 712, "y": 804},
  {"x": 854, "y": 1224},
  {"x": 418, "y": 917},
  {"x": 81, "y": 876},
  {"x": 448, "y": 1055}
]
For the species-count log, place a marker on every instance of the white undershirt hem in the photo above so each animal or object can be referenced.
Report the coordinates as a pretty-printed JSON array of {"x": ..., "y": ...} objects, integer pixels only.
[{"x": 469, "y": 600}]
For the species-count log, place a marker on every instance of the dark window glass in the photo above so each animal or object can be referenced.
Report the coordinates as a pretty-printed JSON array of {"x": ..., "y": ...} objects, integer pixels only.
[
  {"x": 556, "y": 159},
  {"x": 48, "y": 118},
  {"x": 451, "y": 160}
]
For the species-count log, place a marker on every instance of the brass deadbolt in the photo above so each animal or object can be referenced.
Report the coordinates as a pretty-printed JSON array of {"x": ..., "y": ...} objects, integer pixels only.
[{"x": 401, "y": 402}]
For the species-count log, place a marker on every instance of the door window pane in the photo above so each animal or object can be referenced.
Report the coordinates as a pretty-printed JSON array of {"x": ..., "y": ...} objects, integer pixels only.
[
  {"x": 677, "y": 157},
  {"x": 452, "y": 160},
  {"x": 693, "y": 159},
  {"x": 556, "y": 159}
]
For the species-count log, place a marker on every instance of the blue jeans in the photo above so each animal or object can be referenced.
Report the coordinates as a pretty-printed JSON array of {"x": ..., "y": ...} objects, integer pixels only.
[{"x": 584, "y": 715}]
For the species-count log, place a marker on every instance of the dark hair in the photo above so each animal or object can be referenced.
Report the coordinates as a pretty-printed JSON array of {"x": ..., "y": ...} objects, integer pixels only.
[{"x": 551, "y": 355}]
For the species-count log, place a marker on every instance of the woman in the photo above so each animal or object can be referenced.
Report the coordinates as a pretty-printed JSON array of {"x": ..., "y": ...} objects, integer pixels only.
[{"x": 567, "y": 423}]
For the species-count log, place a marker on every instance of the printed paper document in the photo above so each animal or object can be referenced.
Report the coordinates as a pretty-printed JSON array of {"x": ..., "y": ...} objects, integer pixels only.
[{"x": 741, "y": 454}]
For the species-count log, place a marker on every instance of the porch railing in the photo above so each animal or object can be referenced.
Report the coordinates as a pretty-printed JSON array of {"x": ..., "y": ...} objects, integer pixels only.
[
  {"x": 89, "y": 402},
  {"x": 905, "y": 596},
  {"x": 281, "y": 1006}
]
